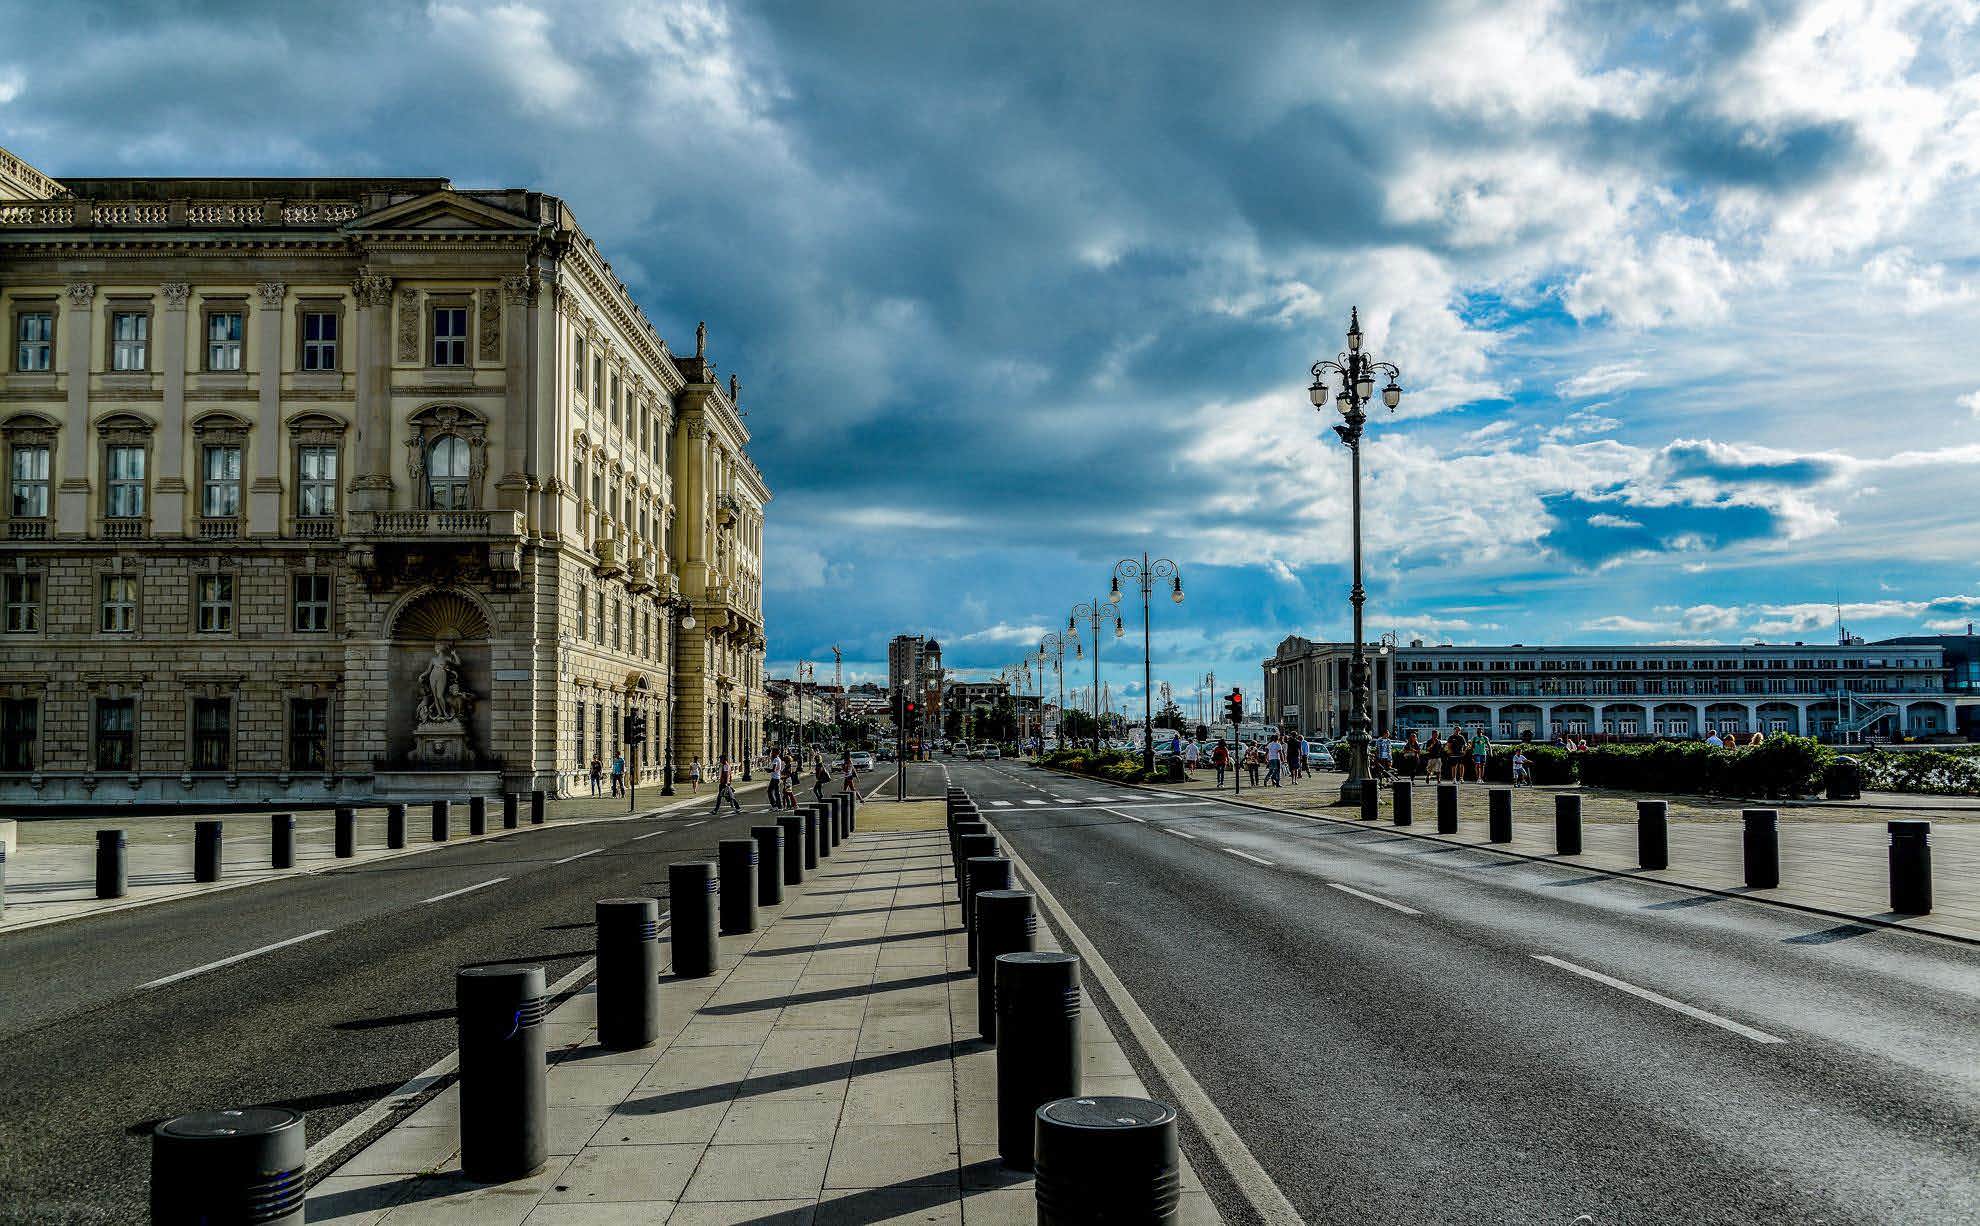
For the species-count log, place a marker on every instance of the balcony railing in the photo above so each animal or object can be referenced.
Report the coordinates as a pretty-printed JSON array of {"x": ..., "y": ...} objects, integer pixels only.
[
  {"x": 222, "y": 529},
  {"x": 316, "y": 528},
  {"x": 427, "y": 525},
  {"x": 27, "y": 530},
  {"x": 122, "y": 528},
  {"x": 611, "y": 557}
]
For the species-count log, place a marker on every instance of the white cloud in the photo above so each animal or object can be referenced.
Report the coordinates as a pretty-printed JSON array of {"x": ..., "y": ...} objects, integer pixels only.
[
  {"x": 1004, "y": 632},
  {"x": 1600, "y": 380},
  {"x": 1605, "y": 520},
  {"x": 1680, "y": 278},
  {"x": 1924, "y": 286},
  {"x": 1971, "y": 403},
  {"x": 513, "y": 42},
  {"x": 1619, "y": 623}
]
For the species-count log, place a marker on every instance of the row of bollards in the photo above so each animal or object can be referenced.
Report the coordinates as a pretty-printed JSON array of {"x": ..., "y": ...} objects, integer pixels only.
[
  {"x": 112, "y": 847},
  {"x": 1094, "y": 1159}
]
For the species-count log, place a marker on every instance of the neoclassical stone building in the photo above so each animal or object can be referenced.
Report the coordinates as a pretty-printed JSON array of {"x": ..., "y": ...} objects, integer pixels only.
[{"x": 353, "y": 487}]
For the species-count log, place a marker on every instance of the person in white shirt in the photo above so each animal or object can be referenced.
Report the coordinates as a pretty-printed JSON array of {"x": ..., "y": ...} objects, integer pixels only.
[
  {"x": 1193, "y": 754},
  {"x": 776, "y": 780},
  {"x": 1714, "y": 741},
  {"x": 1274, "y": 754}
]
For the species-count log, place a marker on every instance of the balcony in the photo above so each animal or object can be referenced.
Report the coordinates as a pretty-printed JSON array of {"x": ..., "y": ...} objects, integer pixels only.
[
  {"x": 126, "y": 528},
  {"x": 220, "y": 529},
  {"x": 501, "y": 531},
  {"x": 316, "y": 528},
  {"x": 644, "y": 572},
  {"x": 611, "y": 558},
  {"x": 27, "y": 530}
]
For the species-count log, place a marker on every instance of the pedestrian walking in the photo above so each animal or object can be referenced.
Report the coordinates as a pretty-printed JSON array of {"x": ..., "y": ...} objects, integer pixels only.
[
  {"x": 694, "y": 775},
  {"x": 725, "y": 786},
  {"x": 1221, "y": 758},
  {"x": 1385, "y": 753},
  {"x": 1433, "y": 758},
  {"x": 597, "y": 775},
  {"x": 1455, "y": 749},
  {"x": 819, "y": 777},
  {"x": 1481, "y": 753},
  {"x": 1194, "y": 753},
  {"x": 1274, "y": 755},
  {"x": 771, "y": 792},
  {"x": 618, "y": 774},
  {"x": 1252, "y": 759}
]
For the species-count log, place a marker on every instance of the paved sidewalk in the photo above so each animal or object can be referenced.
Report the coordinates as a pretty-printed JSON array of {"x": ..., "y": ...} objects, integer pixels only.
[
  {"x": 52, "y": 874},
  {"x": 829, "y": 1073},
  {"x": 1831, "y": 861}
]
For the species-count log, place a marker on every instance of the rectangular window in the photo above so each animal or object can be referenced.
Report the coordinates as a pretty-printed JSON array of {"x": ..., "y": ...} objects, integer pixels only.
[
  {"x": 316, "y": 481},
  {"x": 28, "y": 476},
  {"x": 319, "y": 350},
  {"x": 120, "y": 594},
  {"x": 20, "y": 728},
  {"x": 34, "y": 336},
  {"x": 598, "y": 617},
  {"x": 116, "y": 734},
  {"x": 216, "y": 604},
  {"x": 220, "y": 486},
  {"x": 130, "y": 340},
  {"x": 126, "y": 483},
  {"x": 312, "y": 603},
  {"x": 584, "y": 615},
  {"x": 577, "y": 385},
  {"x": 23, "y": 604},
  {"x": 213, "y": 733},
  {"x": 223, "y": 340},
  {"x": 613, "y": 400},
  {"x": 597, "y": 381},
  {"x": 450, "y": 336},
  {"x": 309, "y": 734}
]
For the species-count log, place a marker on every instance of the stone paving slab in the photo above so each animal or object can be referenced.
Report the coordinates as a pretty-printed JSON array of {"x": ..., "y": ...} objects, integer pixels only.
[
  {"x": 1831, "y": 861},
  {"x": 828, "y": 1073}
]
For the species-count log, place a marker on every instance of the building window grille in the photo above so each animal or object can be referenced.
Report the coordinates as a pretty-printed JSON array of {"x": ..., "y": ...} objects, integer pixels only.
[
  {"x": 223, "y": 340},
  {"x": 220, "y": 485},
  {"x": 447, "y": 473},
  {"x": 20, "y": 731},
  {"x": 126, "y": 483},
  {"x": 319, "y": 350},
  {"x": 28, "y": 480},
  {"x": 213, "y": 733},
  {"x": 23, "y": 604},
  {"x": 316, "y": 484},
  {"x": 130, "y": 340},
  {"x": 312, "y": 603},
  {"x": 34, "y": 342},
  {"x": 116, "y": 734},
  {"x": 216, "y": 604},
  {"x": 309, "y": 734},
  {"x": 450, "y": 336},
  {"x": 119, "y": 608}
]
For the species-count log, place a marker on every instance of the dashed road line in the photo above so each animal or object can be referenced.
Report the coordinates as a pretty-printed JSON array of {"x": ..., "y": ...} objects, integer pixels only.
[
  {"x": 1393, "y": 906},
  {"x": 229, "y": 961},
  {"x": 653, "y": 835},
  {"x": 1724, "y": 1023},
  {"x": 581, "y": 855},
  {"x": 1181, "y": 834},
  {"x": 466, "y": 889},
  {"x": 1245, "y": 855}
]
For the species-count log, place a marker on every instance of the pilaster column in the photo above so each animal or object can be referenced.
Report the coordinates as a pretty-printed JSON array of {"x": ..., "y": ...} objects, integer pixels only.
[
  {"x": 1752, "y": 716},
  {"x": 1700, "y": 708},
  {"x": 512, "y": 488},
  {"x": 265, "y": 490},
  {"x": 1545, "y": 732},
  {"x": 1595, "y": 713},
  {"x": 72, "y": 495},
  {"x": 371, "y": 480},
  {"x": 168, "y": 487},
  {"x": 1802, "y": 726}
]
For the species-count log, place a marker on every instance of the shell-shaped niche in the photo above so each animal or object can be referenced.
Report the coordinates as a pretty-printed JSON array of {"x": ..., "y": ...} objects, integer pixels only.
[{"x": 441, "y": 617}]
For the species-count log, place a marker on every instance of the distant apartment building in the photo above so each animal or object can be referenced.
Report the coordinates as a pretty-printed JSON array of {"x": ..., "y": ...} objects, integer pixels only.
[
  {"x": 1831, "y": 691},
  {"x": 914, "y": 666}
]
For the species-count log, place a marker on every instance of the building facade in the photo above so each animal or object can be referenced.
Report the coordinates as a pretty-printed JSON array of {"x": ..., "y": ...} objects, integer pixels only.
[
  {"x": 1306, "y": 687},
  {"x": 353, "y": 487},
  {"x": 1845, "y": 691}
]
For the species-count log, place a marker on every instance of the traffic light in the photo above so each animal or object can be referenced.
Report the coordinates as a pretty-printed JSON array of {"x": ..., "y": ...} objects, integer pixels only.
[
  {"x": 1234, "y": 706},
  {"x": 634, "y": 726}
]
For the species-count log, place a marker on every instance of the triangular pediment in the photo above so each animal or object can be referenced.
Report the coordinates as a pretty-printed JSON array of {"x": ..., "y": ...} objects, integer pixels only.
[{"x": 440, "y": 212}]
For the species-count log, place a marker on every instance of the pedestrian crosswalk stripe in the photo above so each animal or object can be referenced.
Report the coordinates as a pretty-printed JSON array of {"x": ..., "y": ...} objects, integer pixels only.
[
  {"x": 1034, "y": 802},
  {"x": 1001, "y": 804}
]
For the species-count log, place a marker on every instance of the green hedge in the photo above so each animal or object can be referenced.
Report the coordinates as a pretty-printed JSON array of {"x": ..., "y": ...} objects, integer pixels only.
[
  {"x": 1780, "y": 766},
  {"x": 1115, "y": 765},
  {"x": 1933, "y": 772}
]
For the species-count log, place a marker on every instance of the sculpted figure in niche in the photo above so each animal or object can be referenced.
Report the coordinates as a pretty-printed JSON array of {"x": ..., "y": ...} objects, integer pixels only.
[{"x": 441, "y": 694}]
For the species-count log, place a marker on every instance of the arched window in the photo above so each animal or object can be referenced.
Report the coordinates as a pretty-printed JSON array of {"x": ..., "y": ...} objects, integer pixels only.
[{"x": 447, "y": 473}]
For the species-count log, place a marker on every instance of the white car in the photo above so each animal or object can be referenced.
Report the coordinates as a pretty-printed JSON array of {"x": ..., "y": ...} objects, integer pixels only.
[
  {"x": 992, "y": 752},
  {"x": 862, "y": 760}
]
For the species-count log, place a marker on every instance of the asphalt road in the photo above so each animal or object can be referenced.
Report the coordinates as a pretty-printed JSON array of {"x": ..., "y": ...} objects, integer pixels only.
[
  {"x": 94, "y": 1049},
  {"x": 1402, "y": 1031}
]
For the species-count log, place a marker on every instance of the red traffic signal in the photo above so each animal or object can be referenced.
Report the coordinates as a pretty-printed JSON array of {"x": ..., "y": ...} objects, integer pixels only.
[{"x": 1234, "y": 705}]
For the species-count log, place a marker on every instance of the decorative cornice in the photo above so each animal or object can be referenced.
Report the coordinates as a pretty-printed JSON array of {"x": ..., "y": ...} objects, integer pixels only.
[
  {"x": 81, "y": 294},
  {"x": 272, "y": 293},
  {"x": 175, "y": 294},
  {"x": 372, "y": 290}
]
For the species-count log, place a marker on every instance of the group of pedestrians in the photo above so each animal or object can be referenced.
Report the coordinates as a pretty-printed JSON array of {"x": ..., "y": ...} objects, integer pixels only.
[
  {"x": 1457, "y": 757},
  {"x": 1279, "y": 759}
]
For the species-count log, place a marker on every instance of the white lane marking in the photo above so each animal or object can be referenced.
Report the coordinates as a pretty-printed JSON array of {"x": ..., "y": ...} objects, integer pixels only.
[
  {"x": 1245, "y": 855},
  {"x": 252, "y": 953},
  {"x": 1393, "y": 906},
  {"x": 654, "y": 835},
  {"x": 1000, "y": 804},
  {"x": 1724, "y": 1023},
  {"x": 1178, "y": 833},
  {"x": 1131, "y": 817},
  {"x": 696, "y": 822},
  {"x": 466, "y": 889},
  {"x": 581, "y": 855},
  {"x": 1253, "y": 1183},
  {"x": 1034, "y": 802}
]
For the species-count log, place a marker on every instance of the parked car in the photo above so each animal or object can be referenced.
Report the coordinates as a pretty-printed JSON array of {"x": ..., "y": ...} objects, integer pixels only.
[
  {"x": 973, "y": 754},
  {"x": 862, "y": 760},
  {"x": 1319, "y": 756},
  {"x": 991, "y": 752}
]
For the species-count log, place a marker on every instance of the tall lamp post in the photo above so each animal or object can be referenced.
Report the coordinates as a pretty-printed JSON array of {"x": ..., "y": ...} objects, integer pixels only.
[
  {"x": 1356, "y": 373},
  {"x": 678, "y": 620},
  {"x": 1052, "y": 650},
  {"x": 1094, "y": 612},
  {"x": 1147, "y": 574}
]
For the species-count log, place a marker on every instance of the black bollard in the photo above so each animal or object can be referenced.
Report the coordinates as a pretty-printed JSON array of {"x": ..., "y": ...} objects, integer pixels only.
[
  {"x": 229, "y": 1166},
  {"x": 983, "y": 873},
  {"x": 825, "y": 841},
  {"x": 1107, "y": 1159},
  {"x": 282, "y": 840},
  {"x": 1006, "y": 923},
  {"x": 1653, "y": 836},
  {"x": 1447, "y": 808},
  {"x": 440, "y": 821},
  {"x": 842, "y": 805},
  {"x": 3, "y": 879},
  {"x": 1371, "y": 800},
  {"x": 809, "y": 816},
  {"x": 505, "y": 1119},
  {"x": 970, "y": 846},
  {"x": 1567, "y": 824},
  {"x": 972, "y": 826},
  {"x": 511, "y": 804},
  {"x": 830, "y": 815},
  {"x": 793, "y": 830},
  {"x": 477, "y": 815},
  {"x": 1761, "y": 841},
  {"x": 769, "y": 864},
  {"x": 345, "y": 821},
  {"x": 113, "y": 879},
  {"x": 1400, "y": 798},
  {"x": 1498, "y": 823},
  {"x": 628, "y": 972},
  {"x": 852, "y": 810},
  {"x": 395, "y": 826},
  {"x": 695, "y": 939},
  {"x": 738, "y": 861},
  {"x": 536, "y": 808},
  {"x": 206, "y": 851},
  {"x": 1911, "y": 867},
  {"x": 1038, "y": 1051}
]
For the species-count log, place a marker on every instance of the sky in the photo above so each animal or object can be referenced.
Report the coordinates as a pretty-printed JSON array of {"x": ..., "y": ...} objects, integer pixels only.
[{"x": 1685, "y": 297}]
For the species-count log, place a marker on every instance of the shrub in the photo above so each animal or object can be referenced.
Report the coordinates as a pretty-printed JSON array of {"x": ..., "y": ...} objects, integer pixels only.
[
  {"x": 1777, "y": 766},
  {"x": 1547, "y": 763},
  {"x": 1932, "y": 772}
]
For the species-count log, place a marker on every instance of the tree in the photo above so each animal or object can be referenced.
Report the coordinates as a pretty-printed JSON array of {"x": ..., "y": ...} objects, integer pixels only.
[{"x": 1170, "y": 716}]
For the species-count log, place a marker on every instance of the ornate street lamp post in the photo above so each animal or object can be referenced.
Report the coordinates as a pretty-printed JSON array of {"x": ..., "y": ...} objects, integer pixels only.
[
  {"x": 1094, "y": 612},
  {"x": 1356, "y": 372},
  {"x": 1052, "y": 649},
  {"x": 1147, "y": 574},
  {"x": 678, "y": 620}
]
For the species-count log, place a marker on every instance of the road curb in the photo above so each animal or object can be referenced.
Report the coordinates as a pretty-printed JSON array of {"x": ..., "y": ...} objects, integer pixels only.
[{"x": 1619, "y": 874}]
